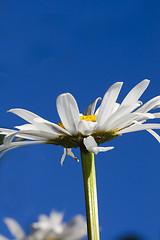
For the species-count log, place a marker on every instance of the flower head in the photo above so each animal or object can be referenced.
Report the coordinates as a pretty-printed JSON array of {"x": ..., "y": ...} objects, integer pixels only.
[
  {"x": 110, "y": 120},
  {"x": 49, "y": 228}
]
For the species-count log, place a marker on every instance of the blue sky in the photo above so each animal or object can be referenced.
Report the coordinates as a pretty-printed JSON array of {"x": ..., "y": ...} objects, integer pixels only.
[{"x": 82, "y": 47}]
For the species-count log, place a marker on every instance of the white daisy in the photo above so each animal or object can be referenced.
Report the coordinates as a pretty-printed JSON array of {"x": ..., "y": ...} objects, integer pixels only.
[
  {"x": 49, "y": 228},
  {"x": 52, "y": 228},
  {"x": 110, "y": 120}
]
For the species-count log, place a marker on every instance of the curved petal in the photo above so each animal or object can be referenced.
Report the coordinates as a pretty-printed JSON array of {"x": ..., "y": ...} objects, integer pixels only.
[
  {"x": 135, "y": 93},
  {"x": 127, "y": 120},
  {"x": 114, "y": 118},
  {"x": 91, "y": 108},
  {"x": 69, "y": 152},
  {"x": 68, "y": 111},
  {"x": 29, "y": 134},
  {"x": 8, "y": 144},
  {"x": 63, "y": 156},
  {"x": 151, "y": 104},
  {"x": 4, "y": 149},
  {"x": 4, "y": 131},
  {"x": 139, "y": 127},
  {"x": 154, "y": 134},
  {"x": 108, "y": 103},
  {"x": 8, "y": 139},
  {"x": 91, "y": 145},
  {"x": 38, "y": 121},
  {"x": 35, "y": 135},
  {"x": 35, "y": 131},
  {"x": 15, "y": 228},
  {"x": 3, "y": 238}
]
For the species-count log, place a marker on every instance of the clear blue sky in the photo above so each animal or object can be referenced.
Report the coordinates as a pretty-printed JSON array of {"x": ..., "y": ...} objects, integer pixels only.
[{"x": 50, "y": 47}]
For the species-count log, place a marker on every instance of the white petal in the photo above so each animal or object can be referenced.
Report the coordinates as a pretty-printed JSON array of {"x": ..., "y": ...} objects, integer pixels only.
[
  {"x": 91, "y": 108},
  {"x": 25, "y": 127},
  {"x": 124, "y": 121},
  {"x": 35, "y": 135},
  {"x": 42, "y": 225},
  {"x": 96, "y": 150},
  {"x": 5, "y": 148},
  {"x": 15, "y": 228},
  {"x": 42, "y": 218},
  {"x": 135, "y": 93},
  {"x": 151, "y": 104},
  {"x": 63, "y": 156},
  {"x": 139, "y": 127},
  {"x": 116, "y": 106},
  {"x": 36, "y": 235},
  {"x": 38, "y": 121},
  {"x": 32, "y": 135},
  {"x": 157, "y": 115},
  {"x": 3, "y": 238},
  {"x": 154, "y": 134},
  {"x": 6, "y": 131},
  {"x": 97, "y": 111},
  {"x": 129, "y": 118},
  {"x": 56, "y": 218},
  {"x": 91, "y": 145},
  {"x": 29, "y": 131},
  {"x": 108, "y": 104},
  {"x": 117, "y": 115},
  {"x": 146, "y": 115},
  {"x": 157, "y": 106},
  {"x": 76, "y": 229},
  {"x": 86, "y": 127},
  {"x": 68, "y": 111},
  {"x": 8, "y": 139},
  {"x": 69, "y": 152}
]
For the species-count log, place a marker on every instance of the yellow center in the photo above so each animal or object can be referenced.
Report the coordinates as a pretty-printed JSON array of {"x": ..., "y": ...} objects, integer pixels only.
[{"x": 91, "y": 118}]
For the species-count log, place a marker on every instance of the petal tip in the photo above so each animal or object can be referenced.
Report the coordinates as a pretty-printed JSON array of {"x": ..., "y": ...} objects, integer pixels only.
[{"x": 147, "y": 81}]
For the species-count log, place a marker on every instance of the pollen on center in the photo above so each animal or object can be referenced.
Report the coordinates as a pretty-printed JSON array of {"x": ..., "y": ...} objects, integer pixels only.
[
  {"x": 91, "y": 118},
  {"x": 61, "y": 124}
]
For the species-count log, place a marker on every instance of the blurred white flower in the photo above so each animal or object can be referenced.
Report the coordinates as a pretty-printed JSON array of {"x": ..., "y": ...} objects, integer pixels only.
[
  {"x": 110, "y": 120},
  {"x": 50, "y": 228}
]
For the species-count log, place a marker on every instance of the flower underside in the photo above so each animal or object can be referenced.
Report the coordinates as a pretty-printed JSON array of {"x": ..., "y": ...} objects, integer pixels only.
[{"x": 76, "y": 140}]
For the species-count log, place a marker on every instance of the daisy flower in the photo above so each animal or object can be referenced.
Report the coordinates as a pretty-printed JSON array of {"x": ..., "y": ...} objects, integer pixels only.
[
  {"x": 93, "y": 128},
  {"x": 49, "y": 228}
]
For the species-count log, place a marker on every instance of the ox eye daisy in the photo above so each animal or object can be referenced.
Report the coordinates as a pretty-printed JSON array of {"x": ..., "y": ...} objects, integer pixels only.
[
  {"x": 49, "y": 228},
  {"x": 87, "y": 132},
  {"x": 110, "y": 120}
]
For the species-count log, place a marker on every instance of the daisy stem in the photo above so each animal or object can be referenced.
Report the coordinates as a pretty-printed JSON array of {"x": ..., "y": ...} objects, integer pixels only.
[{"x": 89, "y": 177}]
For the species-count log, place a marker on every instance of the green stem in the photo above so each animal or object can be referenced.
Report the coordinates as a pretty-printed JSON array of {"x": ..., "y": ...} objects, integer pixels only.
[{"x": 89, "y": 177}]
